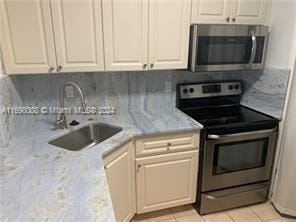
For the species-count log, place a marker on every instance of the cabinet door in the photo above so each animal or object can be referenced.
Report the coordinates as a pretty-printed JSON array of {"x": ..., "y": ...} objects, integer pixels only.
[
  {"x": 249, "y": 11},
  {"x": 26, "y": 36},
  {"x": 169, "y": 24},
  {"x": 166, "y": 181},
  {"x": 78, "y": 35},
  {"x": 120, "y": 171},
  {"x": 125, "y": 34},
  {"x": 211, "y": 11}
]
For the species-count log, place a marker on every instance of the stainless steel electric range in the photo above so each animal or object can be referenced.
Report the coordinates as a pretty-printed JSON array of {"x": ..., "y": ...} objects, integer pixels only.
[{"x": 237, "y": 145}]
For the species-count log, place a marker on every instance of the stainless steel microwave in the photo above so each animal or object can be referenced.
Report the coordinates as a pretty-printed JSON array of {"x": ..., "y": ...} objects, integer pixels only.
[{"x": 227, "y": 47}]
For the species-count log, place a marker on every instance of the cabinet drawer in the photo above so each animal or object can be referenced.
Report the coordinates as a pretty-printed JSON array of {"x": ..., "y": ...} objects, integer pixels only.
[{"x": 167, "y": 143}]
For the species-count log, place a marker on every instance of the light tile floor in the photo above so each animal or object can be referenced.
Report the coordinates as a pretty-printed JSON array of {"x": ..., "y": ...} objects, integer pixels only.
[{"x": 256, "y": 213}]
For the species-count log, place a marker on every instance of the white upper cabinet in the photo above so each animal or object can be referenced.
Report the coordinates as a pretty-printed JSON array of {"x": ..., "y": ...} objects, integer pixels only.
[
  {"x": 211, "y": 11},
  {"x": 115, "y": 35},
  {"x": 125, "y": 34},
  {"x": 27, "y": 36},
  {"x": 251, "y": 12},
  {"x": 52, "y": 36},
  {"x": 78, "y": 35},
  {"x": 134, "y": 42},
  {"x": 169, "y": 23}
]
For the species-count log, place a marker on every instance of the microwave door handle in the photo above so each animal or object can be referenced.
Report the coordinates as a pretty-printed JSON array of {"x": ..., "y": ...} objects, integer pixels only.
[
  {"x": 217, "y": 137},
  {"x": 193, "y": 48},
  {"x": 253, "y": 49}
]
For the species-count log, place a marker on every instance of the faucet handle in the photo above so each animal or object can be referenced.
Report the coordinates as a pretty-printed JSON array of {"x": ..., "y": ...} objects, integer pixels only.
[{"x": 61, "y": 122}]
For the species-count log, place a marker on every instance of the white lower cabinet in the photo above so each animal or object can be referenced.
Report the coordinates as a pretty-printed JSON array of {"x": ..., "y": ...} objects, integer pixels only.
[
  {"x": 120, "y": 172},
  {"x": 140, "y": 181},
  {"x": 165, "y": 181}
]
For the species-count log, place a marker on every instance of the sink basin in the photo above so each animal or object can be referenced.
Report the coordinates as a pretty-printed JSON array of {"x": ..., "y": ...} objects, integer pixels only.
[{"x": 86, "y": 136}]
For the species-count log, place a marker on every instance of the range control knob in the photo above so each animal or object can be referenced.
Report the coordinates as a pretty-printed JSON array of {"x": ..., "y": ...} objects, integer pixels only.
[
  {"x": 185, "y": 91},
  {"x": 230, "y": 87},
  {"x": 236, "y": 86},
  {"x": 191, "y": 90}
]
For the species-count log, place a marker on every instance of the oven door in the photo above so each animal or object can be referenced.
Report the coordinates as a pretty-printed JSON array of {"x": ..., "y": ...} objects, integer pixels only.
[
  {"x": 227, "y": 47},
  {"x": 236, "y": 159}
]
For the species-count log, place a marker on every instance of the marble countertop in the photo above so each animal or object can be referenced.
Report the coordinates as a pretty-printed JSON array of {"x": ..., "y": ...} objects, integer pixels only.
[{"x": 41, "y": 182}]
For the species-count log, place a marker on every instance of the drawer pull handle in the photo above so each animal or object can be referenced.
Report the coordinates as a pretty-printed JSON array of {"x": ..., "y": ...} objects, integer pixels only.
[{"x": 169, "y": 144}]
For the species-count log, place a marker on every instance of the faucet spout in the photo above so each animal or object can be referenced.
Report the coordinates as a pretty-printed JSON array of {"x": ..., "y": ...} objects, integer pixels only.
[{"x": 62, "y": 121}]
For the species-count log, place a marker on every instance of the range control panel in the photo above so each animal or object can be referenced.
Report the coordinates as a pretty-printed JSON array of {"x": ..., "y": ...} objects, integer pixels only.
[{"x": 200, "y": 90}]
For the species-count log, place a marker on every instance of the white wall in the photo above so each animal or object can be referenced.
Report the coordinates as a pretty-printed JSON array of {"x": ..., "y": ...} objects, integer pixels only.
[{"x": 282, "y": 27}]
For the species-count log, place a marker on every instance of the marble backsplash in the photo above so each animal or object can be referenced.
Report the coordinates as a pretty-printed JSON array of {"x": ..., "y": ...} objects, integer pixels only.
[
  {"x": 266, "y": 91},
  {"x": 263, "y": 90}
]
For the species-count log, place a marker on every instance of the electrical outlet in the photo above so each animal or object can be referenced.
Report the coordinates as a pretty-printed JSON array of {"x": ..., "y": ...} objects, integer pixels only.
[
  {"x": 168, "y": 87},
  {"x": 69, "y": 91}
]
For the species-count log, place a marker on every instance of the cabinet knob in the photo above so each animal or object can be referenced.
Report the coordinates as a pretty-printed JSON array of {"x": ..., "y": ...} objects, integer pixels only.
[
  {"x": 169, "y": 144},
  {"x": 227, "y": 19},
  {"x": 59, "y": 68},
  {"x": 144, "y": 66},
  {"x": 139, "y": 167},
  {"x": 51, "y": 68},
  {"x": 151, "y": 65},
  {"x": 233, "y": 19}
]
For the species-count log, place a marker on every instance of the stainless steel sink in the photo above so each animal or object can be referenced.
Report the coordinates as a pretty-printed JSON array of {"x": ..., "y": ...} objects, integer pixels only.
[{"x": 86, "y": 136}]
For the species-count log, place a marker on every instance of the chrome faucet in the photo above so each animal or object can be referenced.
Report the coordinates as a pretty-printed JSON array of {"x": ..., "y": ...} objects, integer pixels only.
[{"x": 62, "y": 122}]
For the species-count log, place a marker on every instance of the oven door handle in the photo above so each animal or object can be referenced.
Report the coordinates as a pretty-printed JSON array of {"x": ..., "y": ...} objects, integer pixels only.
[
  {"x": 253, "y": 48},
  {"x": 217, "y": 137}
]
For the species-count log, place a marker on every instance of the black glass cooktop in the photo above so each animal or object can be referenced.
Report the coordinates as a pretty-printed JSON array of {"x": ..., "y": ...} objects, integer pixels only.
[
  {"x": 218, "y": 108},
  {"x": 228, "y": 117}
]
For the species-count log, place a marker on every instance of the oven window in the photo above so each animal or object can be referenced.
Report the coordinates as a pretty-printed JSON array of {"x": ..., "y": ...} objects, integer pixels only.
[
  {"x": 223, "y": 50},
  {"x": 242, "y": 155}
]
